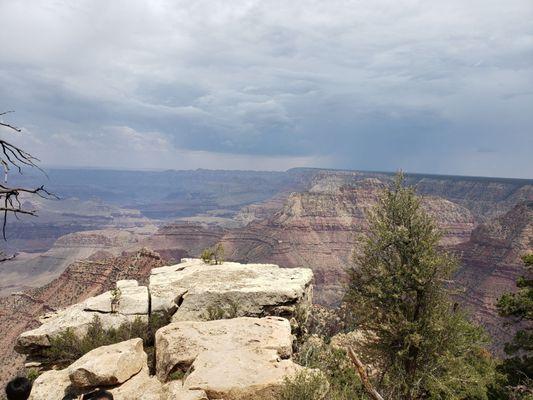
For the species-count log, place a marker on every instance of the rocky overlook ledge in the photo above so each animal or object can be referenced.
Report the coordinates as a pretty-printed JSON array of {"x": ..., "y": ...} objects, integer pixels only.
[{"x": 229, "y": 335}]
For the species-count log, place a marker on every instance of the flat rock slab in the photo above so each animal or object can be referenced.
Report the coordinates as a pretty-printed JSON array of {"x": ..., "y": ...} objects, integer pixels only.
[
  {"x": 130, "y": 300},
  {"x": 108, "y": 365},
  {"x": 75, "y": 318},
  {"x": 197, "y": 291},
  {"x": 240, "y": 358},
  {"x": 133, "y": 302}
]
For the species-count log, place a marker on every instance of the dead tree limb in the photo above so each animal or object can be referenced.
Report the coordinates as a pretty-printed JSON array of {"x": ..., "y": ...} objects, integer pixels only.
[
  {"x": 12, "y": 156},
  {"x": 369, "y": 388}
]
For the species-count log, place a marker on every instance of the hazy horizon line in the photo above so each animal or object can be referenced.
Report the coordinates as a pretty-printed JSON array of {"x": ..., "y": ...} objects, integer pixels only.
[{"x": 411, "y": 173}]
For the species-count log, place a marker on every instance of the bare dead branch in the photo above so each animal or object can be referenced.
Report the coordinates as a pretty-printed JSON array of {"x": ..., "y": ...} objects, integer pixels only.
[
  {"x": 361, "y": 370},
  {"x": 12, "y": 156},
  {"x": 6, "y": 125}
]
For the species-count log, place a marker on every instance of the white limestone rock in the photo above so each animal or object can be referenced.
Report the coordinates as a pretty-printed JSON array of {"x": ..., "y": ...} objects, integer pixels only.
[
  {"x": 174, "y": 390},
  {"x": 75, "y": 318},
  {"x": 108, "y": 365},
  {"x": 127, "y": 283},
  {"x": 130, "y": 300},
  {"x": 194, "y": 287},
  {"x": 240, "y": 358},
  {"x": 50, "y": 385},
  {"x": 141, "y": 386}
]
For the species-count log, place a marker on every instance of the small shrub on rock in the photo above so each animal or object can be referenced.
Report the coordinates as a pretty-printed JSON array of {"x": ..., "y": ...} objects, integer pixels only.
[
  {"x": 229, "y": 311},
  {"x": 344, "y": 382},
  {"x": 67, "y": 347},
  {"x": 207, "y": 256},
  {"x": 304, "y": 385},
  {"x": 213, "y": 255}
]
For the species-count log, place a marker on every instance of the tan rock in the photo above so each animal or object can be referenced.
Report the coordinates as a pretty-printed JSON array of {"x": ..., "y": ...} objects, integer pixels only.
[
  {"x": 233, "y": 288},
  {"x": 240, "y": 358},
  {"x": 131, "y": 300},
  {"x": 74, "y": 318},
  {"x": 108, "y": 365},
  {"x": 51, "y": 385},
  {"x": 127, "y": 283},
  {"x": 141, "y": 386},
  {"x": 174, "y": 390}
]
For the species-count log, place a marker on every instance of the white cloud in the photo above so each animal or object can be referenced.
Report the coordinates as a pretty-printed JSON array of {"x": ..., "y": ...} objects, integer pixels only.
[{"x": 357, "y": 84}]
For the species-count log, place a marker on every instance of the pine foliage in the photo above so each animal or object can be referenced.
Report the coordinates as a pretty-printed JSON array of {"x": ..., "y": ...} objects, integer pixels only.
[{"x": 399, "y": 295}]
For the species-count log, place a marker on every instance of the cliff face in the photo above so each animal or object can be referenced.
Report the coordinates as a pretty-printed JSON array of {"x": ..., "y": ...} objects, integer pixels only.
[
  {"x": 317, "y": 229},
  {"x": 490, "y": 264},
  {"x": 61, "y": 217},
  {"x": 33, "y": 270},
  {"x": 486, "y": 198},
  {"x": 20, "y": 311}
]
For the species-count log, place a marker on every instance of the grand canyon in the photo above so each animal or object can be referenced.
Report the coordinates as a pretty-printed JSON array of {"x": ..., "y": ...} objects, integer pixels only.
[{"x": 110, "y": 225}]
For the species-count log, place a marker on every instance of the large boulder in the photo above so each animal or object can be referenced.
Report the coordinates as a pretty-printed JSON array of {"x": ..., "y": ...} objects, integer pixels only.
[
  {"x": 195, "y": 291},
  {"x": 51, "y": 385},
  {"x": 108, "y": 365},
  {"x": 240, "y": 358},
  {"x": 120, "y": 368}
]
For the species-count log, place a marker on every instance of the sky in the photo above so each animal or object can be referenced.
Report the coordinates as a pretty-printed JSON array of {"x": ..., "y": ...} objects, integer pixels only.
[{"x": 424, "y": 86}]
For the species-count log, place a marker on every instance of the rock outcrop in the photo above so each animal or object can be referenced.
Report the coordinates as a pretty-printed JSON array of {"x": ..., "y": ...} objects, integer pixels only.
[
  {"x": 129, "y": 299},
  {"x": 79, "y": 317},
  {"x": 241, "y": 358},
  {"x": 235, "y": 359},
  {"x": 193, "y": 289}
]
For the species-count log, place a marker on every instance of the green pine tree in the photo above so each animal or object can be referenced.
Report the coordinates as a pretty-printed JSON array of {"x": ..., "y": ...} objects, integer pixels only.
[
  {"x": 423, "y": 346},
  {"x": 518, "y": 368}
]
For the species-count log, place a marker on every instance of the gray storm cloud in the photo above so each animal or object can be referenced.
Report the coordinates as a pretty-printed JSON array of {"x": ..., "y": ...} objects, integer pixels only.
[{"x": 444, "y": 87}]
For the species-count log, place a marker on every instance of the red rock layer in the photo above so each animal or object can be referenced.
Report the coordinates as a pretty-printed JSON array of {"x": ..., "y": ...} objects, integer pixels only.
[{"x": 491, "y": 263}]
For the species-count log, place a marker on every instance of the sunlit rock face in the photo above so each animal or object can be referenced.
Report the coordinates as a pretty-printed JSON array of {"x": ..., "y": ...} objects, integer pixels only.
[
  {"x": 239, "y": 358},
  {"x": 202, "y": 354},
  {"x": 192, "y": 288}
]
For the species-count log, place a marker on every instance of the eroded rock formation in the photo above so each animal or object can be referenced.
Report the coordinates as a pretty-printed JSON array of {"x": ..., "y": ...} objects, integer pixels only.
[
  {"x": 491, "y": 263},
  {"x": 239, "y": 358},
  {"x": 244, "y": 357}
]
